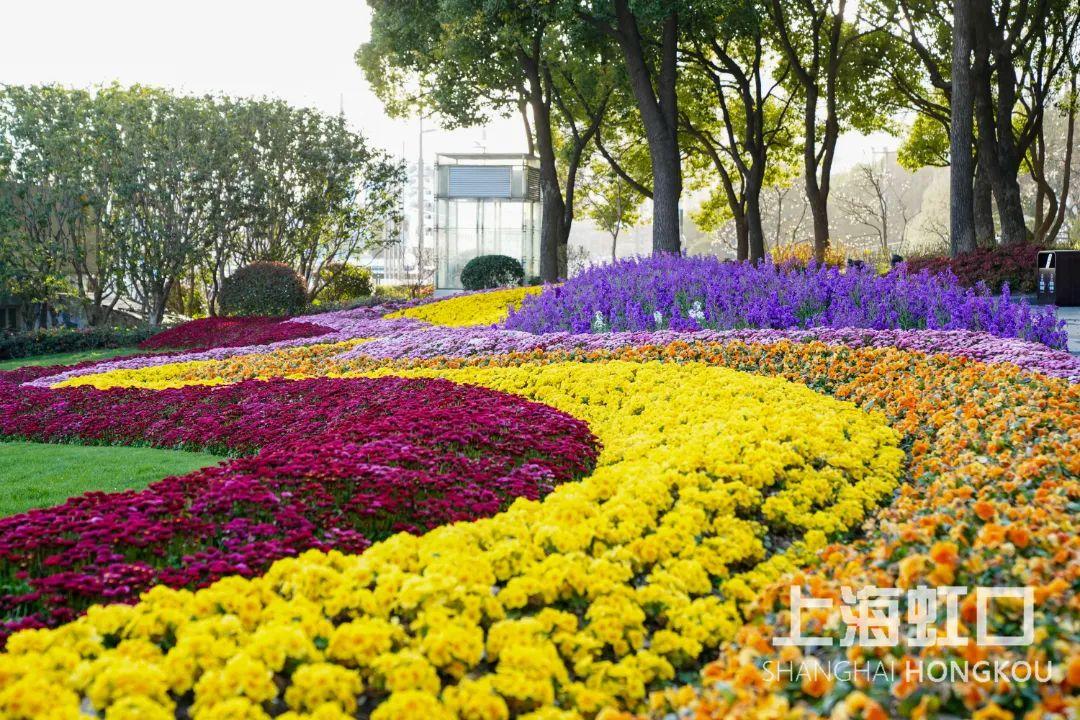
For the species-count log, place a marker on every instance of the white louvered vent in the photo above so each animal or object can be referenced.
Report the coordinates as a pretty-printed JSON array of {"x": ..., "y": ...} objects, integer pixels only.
[{"x": 478, "y": 181}]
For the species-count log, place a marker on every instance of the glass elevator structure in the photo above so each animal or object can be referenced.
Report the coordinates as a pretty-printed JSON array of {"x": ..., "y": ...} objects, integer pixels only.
[{"x": 485, "y": 204}]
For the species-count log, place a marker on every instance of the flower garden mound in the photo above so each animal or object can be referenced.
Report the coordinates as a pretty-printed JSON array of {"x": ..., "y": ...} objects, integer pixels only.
[
  {"x": 328, "y": 464},
  {"x": 654, "y": 585},
  {"x": 695, "y": 293},
  {"x": 457, "y": 342},
  {"x": 373, "y": 335},
  {"x": 587, "y": 599}
]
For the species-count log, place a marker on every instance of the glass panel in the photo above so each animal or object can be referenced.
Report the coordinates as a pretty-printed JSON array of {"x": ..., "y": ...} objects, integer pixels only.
[{"x": 469, "y": 227}]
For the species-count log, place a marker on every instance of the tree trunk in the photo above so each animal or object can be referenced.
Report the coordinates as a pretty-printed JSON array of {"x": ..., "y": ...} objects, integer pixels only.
[
  {"x": 157, "y": 310},
  {"x": 667, "y": 187},
  {"x": 983, "y": 207},
  {"x": 994, "y": 118},
  {"x": 755, "y": 232},
  {"x": 552, "y": 206},
  {"x": 819, "y": 208},
  {"x": 1066, "y": 172},
  {"x": 742, "y": 238},
  {"x": 659, "y": 115},
  {"x": 562, "y": 254},
  {"x": 158, "y": 300},
  {"x": 1010, "y": 205},
  {"x": 551, "y": 227},
  {"x": 1011, "y": 210},
  {"x": 961, "y": 163},
  {"x": 755, "y": 181}
]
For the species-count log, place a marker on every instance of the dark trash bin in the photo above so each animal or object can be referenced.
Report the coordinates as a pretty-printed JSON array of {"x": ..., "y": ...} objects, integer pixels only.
[{"x": 1059, "y": 278}]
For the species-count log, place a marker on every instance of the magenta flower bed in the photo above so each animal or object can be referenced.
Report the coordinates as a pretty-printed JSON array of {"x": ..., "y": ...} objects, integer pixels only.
[
  {"x": 337, "y": 464},
  {"x": 231, "y": 332}
]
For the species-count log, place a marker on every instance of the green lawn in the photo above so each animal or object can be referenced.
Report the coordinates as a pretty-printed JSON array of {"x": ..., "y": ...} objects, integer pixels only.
[
  {"x": 69, "y": 358},
  {"x": 39, "y": 474}
]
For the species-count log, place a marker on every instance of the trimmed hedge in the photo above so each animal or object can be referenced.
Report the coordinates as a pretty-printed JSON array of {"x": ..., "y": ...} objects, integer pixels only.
[
  {"x": 345, "y": 283},
  {"x": 264, "y": 288},
  {"x": 61, "y": 340},
  {"x": 1012, "y": 264},
  {"x": 491, "y": 271}
]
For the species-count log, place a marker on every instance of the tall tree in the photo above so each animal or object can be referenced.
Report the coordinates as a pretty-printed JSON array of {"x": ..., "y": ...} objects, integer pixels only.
[
  {"x": 1020, "y": 52},
  {"x": 41, "y": 131},
  {"x": 923, "y": 40},
  {"x": 1035, "y": 55},
  {"x": 466, "y": 59},
  {"x": 314, "y": 193},
  {"x": 160, "y": 189},
  {"x": 1052, "y": 199},
  {"x": 647, "y": 34},
  {"x": 961, "y": 174},
  {"x": 834, "y": 67},
  {"x": 579, "y": 86},
  {"x": 95, "y": 257},
  {"x": 232, "y": 129},
  {"x": 737, "y": 113}
]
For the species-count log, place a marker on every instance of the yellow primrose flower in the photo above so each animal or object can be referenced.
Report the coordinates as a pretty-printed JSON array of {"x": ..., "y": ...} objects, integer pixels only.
[
  {"x": 410, "y": 705},
  {"x": 316, "y": 684},
  {"x": 405, "y": 671},
  {"x": 486, "y": 308}
]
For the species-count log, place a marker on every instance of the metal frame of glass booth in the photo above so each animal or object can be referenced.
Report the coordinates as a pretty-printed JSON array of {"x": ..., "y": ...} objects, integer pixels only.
[{"x": 485, "y": 204}]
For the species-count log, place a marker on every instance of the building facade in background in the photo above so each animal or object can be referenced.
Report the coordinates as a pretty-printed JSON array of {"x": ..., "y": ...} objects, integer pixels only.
[{"x": 485, "y": 204}]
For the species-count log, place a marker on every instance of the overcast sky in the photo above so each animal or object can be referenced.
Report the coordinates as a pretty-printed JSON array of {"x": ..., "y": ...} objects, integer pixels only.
[{"x": 301, "y": 51}]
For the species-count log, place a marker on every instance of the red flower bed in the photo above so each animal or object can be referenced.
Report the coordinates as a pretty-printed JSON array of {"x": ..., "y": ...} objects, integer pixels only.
[
  {"x": 337, "y": 464},
  {"x": 231, "y": 332},
  {"x": 1012, "y": 264}
]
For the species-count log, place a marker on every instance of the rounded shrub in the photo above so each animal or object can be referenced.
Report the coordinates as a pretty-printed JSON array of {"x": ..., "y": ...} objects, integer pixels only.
[
  {"x": 345, "y": 283},
  {"x": 263, "y": 288},
  {"x": 491, "y": 271}
]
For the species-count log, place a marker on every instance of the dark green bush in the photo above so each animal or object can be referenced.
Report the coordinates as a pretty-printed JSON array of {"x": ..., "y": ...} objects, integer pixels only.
[
  {"x": 345, "y": 283},
  {"x": 491, "y": 271},
  {"x": 62, "y": 340},
  {"x": 263, "y": 288}
]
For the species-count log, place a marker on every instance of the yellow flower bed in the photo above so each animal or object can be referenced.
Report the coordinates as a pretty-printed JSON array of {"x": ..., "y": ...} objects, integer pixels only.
[
  {"x": 485, "y": 308},
  {"x": 302, "y": 361},
  {"x": 586, "y": 600}
]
